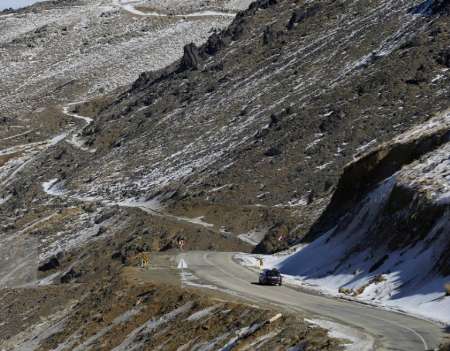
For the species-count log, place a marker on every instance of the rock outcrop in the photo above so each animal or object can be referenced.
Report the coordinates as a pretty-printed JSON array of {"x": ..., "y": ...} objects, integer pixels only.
[{"x": 191, "y": 58}]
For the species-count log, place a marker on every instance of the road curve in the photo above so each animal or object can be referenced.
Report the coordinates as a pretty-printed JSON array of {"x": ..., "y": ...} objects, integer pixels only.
[{"x": 391, "y": 331}]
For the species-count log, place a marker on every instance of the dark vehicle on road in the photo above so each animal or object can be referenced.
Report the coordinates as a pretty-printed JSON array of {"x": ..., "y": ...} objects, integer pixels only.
[{"x": 270, "y": 277}]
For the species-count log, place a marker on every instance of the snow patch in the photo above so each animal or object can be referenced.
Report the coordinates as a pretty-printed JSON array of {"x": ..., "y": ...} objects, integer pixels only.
[
  {"x": 189, "y": 279},
  {"x": 253, "y": 237},
  {"x": 51, "y": 188},
  {"x": 133, "y": 338},
  {"x": 202, "y": 313},
  {"x": 123, "y": 318},
  {"x": 353, "y": 339},
  {"x": 401, "y": 280}
]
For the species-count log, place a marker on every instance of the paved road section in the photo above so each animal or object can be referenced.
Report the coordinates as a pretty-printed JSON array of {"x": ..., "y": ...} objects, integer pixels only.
[{"x": 392, "y": 331}]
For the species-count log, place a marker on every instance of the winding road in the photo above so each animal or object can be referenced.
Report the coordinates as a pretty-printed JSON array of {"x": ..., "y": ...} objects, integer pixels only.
[
  {"x": 384, "y": 329},
  {"x": 390, "y": 330}
]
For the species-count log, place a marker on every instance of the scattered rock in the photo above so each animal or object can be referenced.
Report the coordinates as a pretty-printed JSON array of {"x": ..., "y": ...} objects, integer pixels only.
[
  {"x": 59, "y": 154},
  {"x": 69, "y": 276},
  {"x": 52, "y": 263},
  {"x": 104, "y": 216},
  {"x": 444, "y": 58},
  {"x": 272, "y": 151},
  {"x": 101, "y": 230},
  {"x": 214, "y": 44},
  {"x": 269, "y": 36},
  {"x": 301, "y": 14},
  {"x": 345, "y": 291},
  {"x": 191, "y": 59}
]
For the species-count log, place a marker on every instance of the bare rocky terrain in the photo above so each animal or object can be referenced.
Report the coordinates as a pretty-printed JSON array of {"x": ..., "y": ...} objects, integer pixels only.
[
  {"x": 69, "y": 277},
  {"x": 160, "y": 126}
]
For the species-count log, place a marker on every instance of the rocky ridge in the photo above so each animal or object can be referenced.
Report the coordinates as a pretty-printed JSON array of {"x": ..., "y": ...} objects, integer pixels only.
[{"x": 240, "y": 107}]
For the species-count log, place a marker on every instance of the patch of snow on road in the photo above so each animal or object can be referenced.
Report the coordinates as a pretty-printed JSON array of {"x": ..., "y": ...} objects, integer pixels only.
[
  {"x": 152, "y": 206},
  {"x": 76, "y": 139},
  {"x": 196, "y": 220},
  {"x": 66, "y": 110},
  {"x": 189, "y": 279}
]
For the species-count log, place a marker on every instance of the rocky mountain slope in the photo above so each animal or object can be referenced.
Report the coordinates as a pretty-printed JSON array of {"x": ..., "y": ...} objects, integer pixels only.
[
  {"x": 128, "y": 313},
  {"x": 296, "y": 122},
  {"x": 41, "y": 140},
  {"x": 246, "y": 120},
  {"x": 67, "y": 51},
  {"x": 69, "y": 276},
  {"x": 384, "y": 237}
]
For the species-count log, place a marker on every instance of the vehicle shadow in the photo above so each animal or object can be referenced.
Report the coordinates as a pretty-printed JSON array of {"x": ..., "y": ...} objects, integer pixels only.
[{"x": 257, "y": 283}]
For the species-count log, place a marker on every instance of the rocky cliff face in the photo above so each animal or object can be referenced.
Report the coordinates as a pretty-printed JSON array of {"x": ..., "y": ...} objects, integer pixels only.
[
  {"x": 384, "y": 237},
  {"x": 361, "y": 176}
]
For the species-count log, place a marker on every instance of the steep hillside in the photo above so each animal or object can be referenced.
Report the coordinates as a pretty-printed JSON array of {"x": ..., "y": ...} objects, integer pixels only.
[
  {"x": 69, "y": 275},
  {"x": 318, "y": 124},
  {"x": 264, "y": 116},
  {"x": 129, "y": 314},
  {"x": 57, "y": 54},
  {"x": 384, "y": 238},
  {"x": 67, "y": 51}
]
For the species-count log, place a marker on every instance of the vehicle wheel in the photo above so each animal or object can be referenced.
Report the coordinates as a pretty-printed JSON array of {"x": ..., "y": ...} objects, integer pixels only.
[{"x": 280, "y": 284}]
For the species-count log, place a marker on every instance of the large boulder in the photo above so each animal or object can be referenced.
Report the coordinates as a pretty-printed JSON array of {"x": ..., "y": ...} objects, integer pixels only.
[
  {"x": 52, "y": 263},
  {"x": 299, "y": 15},
  {"x": 191, "y": 59},
  {"x": 69, "y": 276}
]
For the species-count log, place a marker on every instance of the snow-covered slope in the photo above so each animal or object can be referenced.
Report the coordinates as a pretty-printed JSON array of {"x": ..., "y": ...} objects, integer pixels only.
[{"x": 391, "y": 246}]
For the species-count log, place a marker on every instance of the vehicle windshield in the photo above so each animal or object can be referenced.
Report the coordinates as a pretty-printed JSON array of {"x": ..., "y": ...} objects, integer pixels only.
[{"x": 273, "y": 273}]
